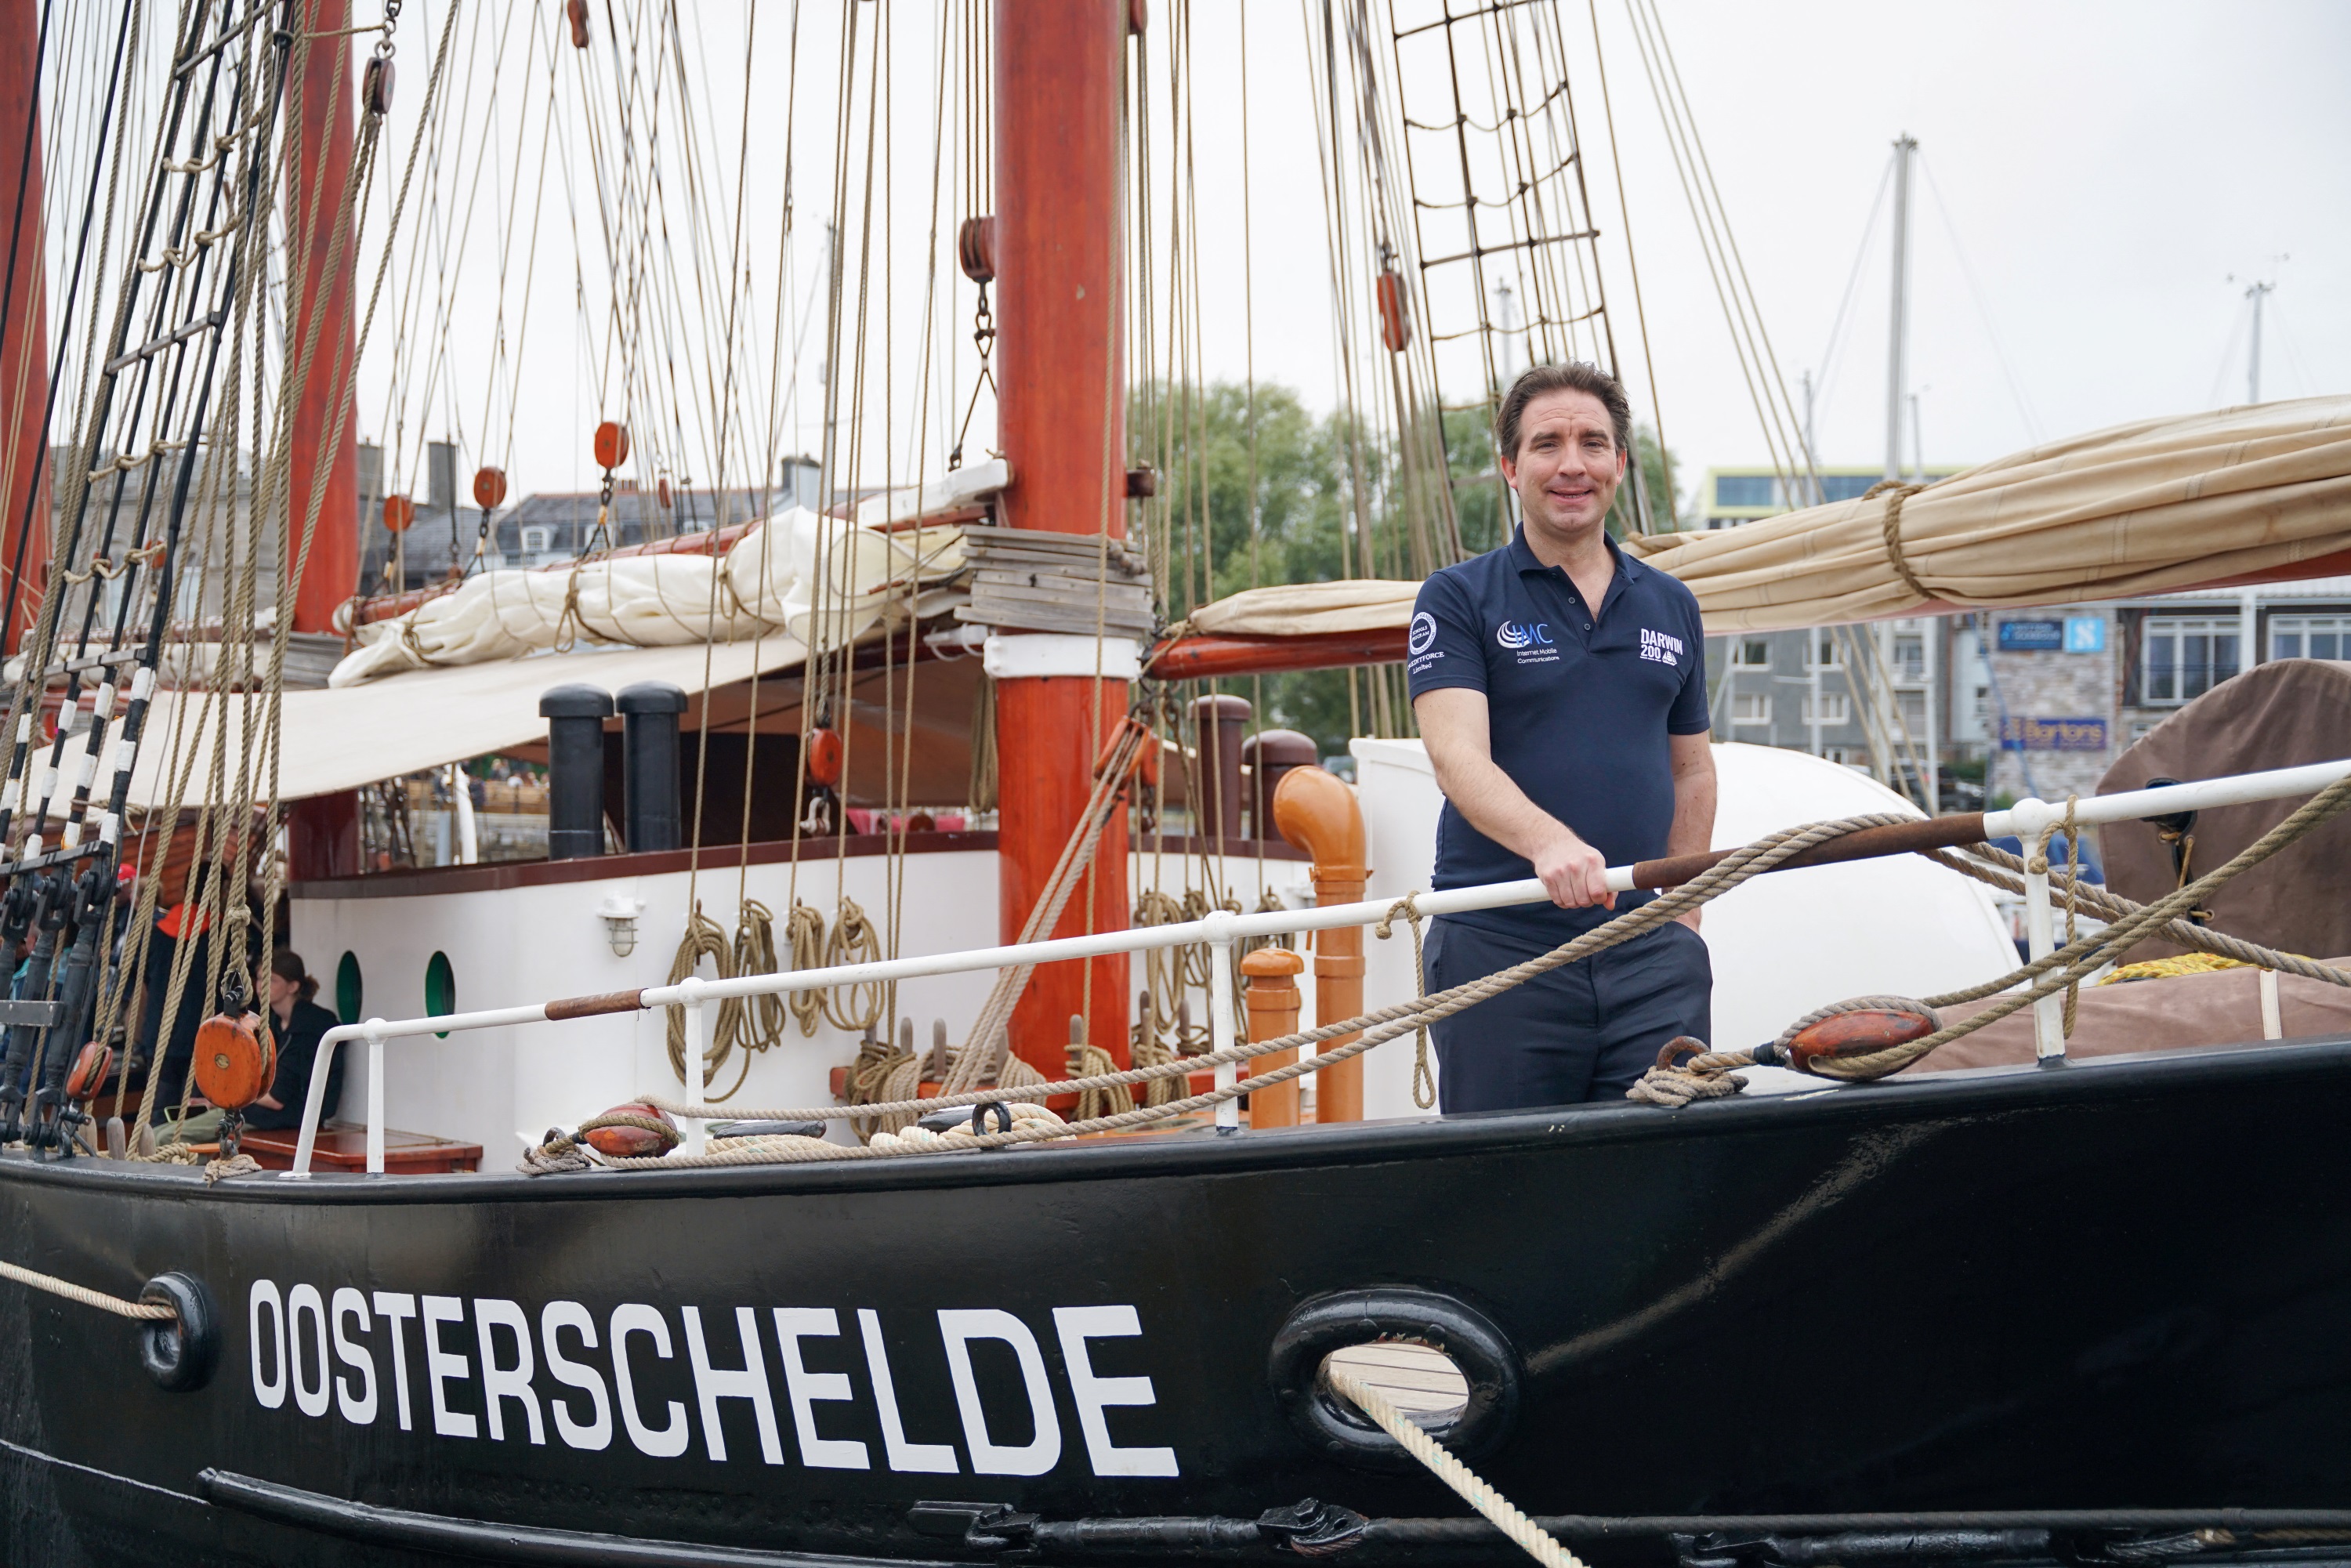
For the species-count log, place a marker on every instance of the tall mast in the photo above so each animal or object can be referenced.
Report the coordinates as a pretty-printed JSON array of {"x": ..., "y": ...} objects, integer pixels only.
[
  {"x": 1062, "y": 418},
  {"x": 323, "y": 832},
  {"x": 2257, "y": 293},
  {"x": 1898, "y": 338},
  {"x": 319, "y": 171},
  {"x": 24, "y": 337}
]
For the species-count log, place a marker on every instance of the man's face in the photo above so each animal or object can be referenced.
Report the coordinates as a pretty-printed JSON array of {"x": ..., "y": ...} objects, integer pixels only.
[{"x": 1567, "y": 464}]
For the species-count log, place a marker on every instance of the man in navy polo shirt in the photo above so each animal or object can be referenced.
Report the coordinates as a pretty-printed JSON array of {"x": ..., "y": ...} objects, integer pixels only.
[{"x": 1560, "y": 687}]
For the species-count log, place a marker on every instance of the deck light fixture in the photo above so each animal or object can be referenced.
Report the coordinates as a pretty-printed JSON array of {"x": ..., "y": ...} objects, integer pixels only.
[{"x": 619, "y": 914}]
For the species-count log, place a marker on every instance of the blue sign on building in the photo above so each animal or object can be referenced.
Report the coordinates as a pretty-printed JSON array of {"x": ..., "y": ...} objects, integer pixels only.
[
  {"x": 2085, "y": 634},
  {"x": 2020, "y": 734},
  {"x": 2032, "y": 636}
]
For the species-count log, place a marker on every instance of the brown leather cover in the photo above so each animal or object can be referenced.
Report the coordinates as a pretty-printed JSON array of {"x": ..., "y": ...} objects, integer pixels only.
[
  {"x": 2222, "y": 1008},
  {"x": 2284, "y": 714}
]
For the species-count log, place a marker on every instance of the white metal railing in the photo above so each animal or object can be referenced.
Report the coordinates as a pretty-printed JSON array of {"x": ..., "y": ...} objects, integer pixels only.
[{"x": 2028, "y": 819}]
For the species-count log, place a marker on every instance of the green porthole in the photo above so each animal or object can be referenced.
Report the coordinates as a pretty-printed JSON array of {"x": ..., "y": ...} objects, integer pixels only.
[
  {"x": 440, "y": 989},
  {"x": 349, "y": 994}
]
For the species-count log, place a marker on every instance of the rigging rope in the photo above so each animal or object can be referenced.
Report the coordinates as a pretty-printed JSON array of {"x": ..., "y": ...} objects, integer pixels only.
[
  {"x": 1473, "y": 1489},
  {"x": 143, "y": 1311}
]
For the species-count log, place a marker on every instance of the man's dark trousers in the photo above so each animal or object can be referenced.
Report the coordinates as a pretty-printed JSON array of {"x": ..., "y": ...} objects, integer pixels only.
[{"x": 1583, "y": 1031}]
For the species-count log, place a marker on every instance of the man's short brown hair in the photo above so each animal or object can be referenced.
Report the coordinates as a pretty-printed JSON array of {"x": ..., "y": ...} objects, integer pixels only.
[{"x": 1576, "y": 375}]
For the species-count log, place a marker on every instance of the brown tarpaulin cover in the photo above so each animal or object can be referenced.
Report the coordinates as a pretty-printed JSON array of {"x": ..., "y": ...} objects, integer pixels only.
[
  {"x": 2279, "y": 715},
  {"x": 2222, "y": 1008},
  {"x": 2141, "y": 508}
]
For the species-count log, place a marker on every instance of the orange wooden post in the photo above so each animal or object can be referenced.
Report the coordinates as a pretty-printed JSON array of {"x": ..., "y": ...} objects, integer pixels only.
[
  {"x": 1318, "y": 812},
  {"x": 1273, "y": 1002},
  {"x": 1062, "y": 423}
]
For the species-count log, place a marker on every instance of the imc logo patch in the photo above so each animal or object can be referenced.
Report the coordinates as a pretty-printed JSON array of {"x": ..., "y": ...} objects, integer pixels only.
[
  {"x": 1656, "y": 645},
  {"x": 1423, "y": 634},
  {"x": 1517, "y": 635}
]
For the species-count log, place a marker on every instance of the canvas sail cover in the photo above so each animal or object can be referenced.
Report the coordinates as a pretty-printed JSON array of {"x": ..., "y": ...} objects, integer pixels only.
[
  {"x": 2162, "y": 505},
  {"x": 1305, "y": 609},
  {"x": 342, "y": 738}
]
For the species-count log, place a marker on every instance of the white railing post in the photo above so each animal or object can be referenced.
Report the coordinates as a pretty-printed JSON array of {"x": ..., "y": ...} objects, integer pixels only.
[
  {"x": 697, "y": 1135},
  {"x": 461, "y": 801},
  {"x": 2035, "y": 820},
  {"x": 1220, "y": 1012},
  {"x": 375, "y": 1096}
]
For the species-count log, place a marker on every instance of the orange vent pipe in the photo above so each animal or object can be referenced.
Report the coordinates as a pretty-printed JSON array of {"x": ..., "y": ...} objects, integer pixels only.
[{"x": 1317, "y": 812}]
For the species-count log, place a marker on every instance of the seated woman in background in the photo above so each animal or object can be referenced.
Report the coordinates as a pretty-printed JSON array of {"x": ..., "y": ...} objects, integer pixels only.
[{"x": 296, "y": 1023}]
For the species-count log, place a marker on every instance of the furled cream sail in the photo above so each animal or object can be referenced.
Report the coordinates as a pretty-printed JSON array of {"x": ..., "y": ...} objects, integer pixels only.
[
  {"x": 824, "y": 581},
  {"x": 2150, "y": 508},
  {"x": 2194, "y": 501}
]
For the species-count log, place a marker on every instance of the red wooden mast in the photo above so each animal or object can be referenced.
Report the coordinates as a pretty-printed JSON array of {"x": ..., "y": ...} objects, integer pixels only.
[
  {"x": 23, "y": 340},
  {"x": 1062, "y": 418},
  {"x": 317, "y": 172},
  {"x": 323, "y": 834}
]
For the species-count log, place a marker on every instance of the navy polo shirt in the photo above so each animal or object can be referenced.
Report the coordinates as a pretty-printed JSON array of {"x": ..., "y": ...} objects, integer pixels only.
[{"x": 1579, "y": 703}]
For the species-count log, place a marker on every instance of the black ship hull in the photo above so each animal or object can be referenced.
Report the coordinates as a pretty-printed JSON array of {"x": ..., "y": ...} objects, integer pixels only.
[{"x": 2115, "y": 1285}]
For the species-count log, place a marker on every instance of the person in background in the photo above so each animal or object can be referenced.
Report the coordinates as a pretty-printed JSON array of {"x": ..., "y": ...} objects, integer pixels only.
[
  {"x": 296, "y": 1023},
  {"x": 171, "y": 1042}
]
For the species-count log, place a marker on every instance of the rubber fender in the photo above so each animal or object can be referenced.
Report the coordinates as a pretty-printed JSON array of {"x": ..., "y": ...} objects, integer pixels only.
[{"x": 180, "y": 1352}]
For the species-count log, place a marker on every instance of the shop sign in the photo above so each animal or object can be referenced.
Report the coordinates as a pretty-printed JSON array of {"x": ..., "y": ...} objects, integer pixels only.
[
  {"x": 2085, "y": 634},
  {"x": 2024, "y": 734},
  {"x": 2032, "y": 636}
]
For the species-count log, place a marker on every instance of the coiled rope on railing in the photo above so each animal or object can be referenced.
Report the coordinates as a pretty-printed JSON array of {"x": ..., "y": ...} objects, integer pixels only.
[
  {"x": 1379, "y": 1026},
  {"x": 1710, "y": 1075},
  {"x": 1473, "y": 1489},
  {"x": 143, "y": 1311}
]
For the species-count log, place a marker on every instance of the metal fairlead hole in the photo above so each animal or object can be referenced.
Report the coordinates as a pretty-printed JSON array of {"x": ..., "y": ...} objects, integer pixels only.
[
  {"x": 1417, "y": 1378},
  {"x": 1446, "y": 1359}
]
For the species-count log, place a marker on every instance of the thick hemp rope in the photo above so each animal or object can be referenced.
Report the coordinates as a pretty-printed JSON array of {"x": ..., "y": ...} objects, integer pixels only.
[
  {"x": 142, "y": 1311},
  {"x": 1473, "y": 1489},
  {"x": 2065, "y": 966},
  {"x": 1895, "y": 493},
  {"x": 1424, "y": 1081},
  {"x": 1998, "y": 868}
]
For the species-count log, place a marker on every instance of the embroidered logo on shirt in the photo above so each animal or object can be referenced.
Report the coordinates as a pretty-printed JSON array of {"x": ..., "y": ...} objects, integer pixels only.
[
  {"x": 1424, "y": 633},
  {"x": 1663, "y": 649},
  {"x": 1515, "y": 634}
]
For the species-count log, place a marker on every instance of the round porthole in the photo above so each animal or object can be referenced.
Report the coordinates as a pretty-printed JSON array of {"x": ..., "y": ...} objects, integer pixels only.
[
  {"x": 440, "y": 990},
  {"x": 350, "y": 994},
  {"x": 1442, "y": 1361}
]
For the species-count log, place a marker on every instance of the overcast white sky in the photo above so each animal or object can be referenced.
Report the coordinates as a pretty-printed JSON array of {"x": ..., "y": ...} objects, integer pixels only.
[{"x": 2105, "y": 169}]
